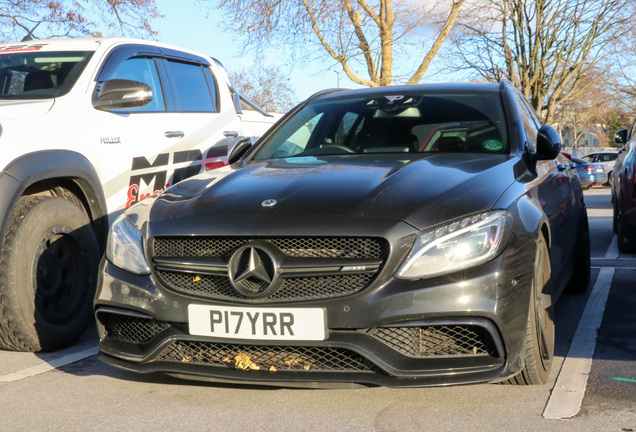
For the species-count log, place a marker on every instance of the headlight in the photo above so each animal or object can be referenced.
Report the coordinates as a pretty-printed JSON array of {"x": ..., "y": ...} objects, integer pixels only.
[
  {"x": 461, "y": 244},
  {"x": 125, "y": 247}
]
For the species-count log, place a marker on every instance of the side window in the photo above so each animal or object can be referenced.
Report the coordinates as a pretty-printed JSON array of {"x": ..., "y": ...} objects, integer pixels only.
[
  {"x": 143, "y": 69},
  {"x": 529, "y": 120},
  {"x": 350, "y": 125},
  {"x": 607, "y": 157},
  {"x": 192, "y": 86},
  {"x": 213, "y": 88}
]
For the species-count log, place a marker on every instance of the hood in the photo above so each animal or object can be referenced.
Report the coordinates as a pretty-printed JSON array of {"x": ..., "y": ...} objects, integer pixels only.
[
  {"x": 23, "y": 108},
  {"x": 421, "y": 191}
]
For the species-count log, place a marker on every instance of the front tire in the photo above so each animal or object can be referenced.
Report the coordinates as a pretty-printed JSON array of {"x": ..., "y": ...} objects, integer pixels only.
[
  {"x": 539, "y": 340},
  {"x": 47, "y": 274}
]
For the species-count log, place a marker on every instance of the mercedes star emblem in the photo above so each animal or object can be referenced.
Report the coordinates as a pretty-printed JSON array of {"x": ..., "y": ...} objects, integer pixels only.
[
  {"x": 269, "y": 203},
  {"x": 253, "y": 271}
]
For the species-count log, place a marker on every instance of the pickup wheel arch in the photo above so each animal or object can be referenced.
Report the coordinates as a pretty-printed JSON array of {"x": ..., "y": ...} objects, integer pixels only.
[
  {"x": 53, "y": 205},
  {"x": 34, "y": 173}
]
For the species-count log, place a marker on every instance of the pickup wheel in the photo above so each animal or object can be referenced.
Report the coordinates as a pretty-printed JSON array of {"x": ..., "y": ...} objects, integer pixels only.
[
  {"x": 539, "y": 341},
  {"x": 47, "y": 274}
]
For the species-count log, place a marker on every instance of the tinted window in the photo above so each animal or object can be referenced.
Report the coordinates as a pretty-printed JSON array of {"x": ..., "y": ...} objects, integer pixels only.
[
  {"x": 192, "y": 86},
  {"x": 395, "y": 123},
  {"x": 607, "y": 157},
  {"x": 40, "y": 75},
  {"x": 143, "y": 69}
]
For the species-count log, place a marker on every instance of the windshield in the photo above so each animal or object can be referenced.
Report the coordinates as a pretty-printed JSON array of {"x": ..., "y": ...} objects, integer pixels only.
[
  {"x": 40, "y": 75},
  {"x": 401, "y": 122}
]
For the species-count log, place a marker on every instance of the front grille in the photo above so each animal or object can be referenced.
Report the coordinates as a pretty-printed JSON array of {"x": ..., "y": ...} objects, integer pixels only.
[
  {"x": 302, "y": 247},
  {"x": 296, "y": 289},
  {"x": 268, "y": 358},
  {"x": 437, "y": 340},
  {"x": 301, "y": 288},
  {"x": 132, "y": 329}
]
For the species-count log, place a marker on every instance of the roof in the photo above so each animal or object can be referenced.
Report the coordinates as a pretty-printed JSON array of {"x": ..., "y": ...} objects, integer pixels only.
[
  {"x": 80, "y": 44},
  {"x": 335, "y": 94}
]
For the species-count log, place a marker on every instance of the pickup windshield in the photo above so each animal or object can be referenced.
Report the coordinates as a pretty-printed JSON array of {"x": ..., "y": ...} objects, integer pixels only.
[{"x": 40, "y": 75}]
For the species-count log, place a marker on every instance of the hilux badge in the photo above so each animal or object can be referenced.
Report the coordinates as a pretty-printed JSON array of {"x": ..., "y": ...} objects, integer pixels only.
[{"x": 269, "y": 203}]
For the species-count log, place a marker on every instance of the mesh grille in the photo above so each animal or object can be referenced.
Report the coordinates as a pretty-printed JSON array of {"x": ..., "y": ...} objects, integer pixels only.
[
  {"x": 302, "y": 247},
  {"x": 292, "y": 289},
  {"x": 312, "y": 359},
  {"x": 297, "y": 289},
  {"x": 131, "y": 329},
  {"x": 451, "y": 340}
]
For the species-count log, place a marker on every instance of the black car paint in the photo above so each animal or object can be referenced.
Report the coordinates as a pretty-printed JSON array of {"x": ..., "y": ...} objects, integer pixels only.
[{"x": 352, "y": 195}]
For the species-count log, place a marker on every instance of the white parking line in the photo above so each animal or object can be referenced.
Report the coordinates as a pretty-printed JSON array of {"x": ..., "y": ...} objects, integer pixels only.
[
  {"x": 612, "y": 250},
  {"x": 567, "y": 394},
  {"x": 47, "y": 365}
]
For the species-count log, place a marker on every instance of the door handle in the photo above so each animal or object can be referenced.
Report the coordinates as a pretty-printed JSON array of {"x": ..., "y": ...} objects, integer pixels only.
[
  {"x": 173, "y": 134},
  {"x": 230, "y": 134}
]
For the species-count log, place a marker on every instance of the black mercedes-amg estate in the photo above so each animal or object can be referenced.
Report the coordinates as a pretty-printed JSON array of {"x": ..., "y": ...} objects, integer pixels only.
[{"x": 397, "y": 236}]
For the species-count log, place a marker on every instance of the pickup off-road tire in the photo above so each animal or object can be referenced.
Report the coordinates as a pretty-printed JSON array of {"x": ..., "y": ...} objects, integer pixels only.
[
  {"x": 539, "y": 340},
  {"x": 47, "y": 275}
]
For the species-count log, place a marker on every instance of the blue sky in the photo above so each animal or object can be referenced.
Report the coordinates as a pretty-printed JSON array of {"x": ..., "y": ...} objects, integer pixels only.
[{"x": 187, "y": 24}]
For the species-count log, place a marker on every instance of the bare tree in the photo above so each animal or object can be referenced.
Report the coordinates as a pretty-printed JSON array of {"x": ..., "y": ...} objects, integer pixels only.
[
  {"x": 547, "y": 48},
  {"x": 600, "y": 110},
  {"x": 265, "y": 85},
  {"x": 364, "y": 37},
  {"x": 38, "y": 19}
]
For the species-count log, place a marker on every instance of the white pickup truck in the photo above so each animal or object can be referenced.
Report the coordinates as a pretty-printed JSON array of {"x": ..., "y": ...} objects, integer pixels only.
[{"x": 89, "y": 127}]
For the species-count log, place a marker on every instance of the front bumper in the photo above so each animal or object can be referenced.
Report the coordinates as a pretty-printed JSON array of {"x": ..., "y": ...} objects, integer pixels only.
[{"x": 462, "y": 328}]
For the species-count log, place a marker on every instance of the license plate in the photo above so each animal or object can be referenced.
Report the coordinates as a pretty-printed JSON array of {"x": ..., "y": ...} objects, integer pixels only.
[
  {"x": 257, "y": 323},
  {"x": 599, "y": 169}
]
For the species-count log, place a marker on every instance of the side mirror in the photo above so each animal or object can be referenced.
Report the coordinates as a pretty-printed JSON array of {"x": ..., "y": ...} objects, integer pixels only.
[
  {"x": 238, "y": 149},
  {"x": 621, "y": 136},
  {"x": 548, "y": 143},
  {"x": 121, "y": 93}
]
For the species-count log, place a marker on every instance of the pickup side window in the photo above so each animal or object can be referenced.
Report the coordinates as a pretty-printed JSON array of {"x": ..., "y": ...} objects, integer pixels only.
[
  {"x": 143, "y": 69},
  {"x": 191, "y": 84}
]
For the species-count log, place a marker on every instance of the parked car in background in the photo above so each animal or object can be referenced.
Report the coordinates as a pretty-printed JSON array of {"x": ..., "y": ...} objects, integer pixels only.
[
  {"x": 605, "y": 158},
  {"x": 590, "y": 174},
  {"x": 399, "y": 236},
  {"x": 624, "y": 192},
  {"x": 89, "y": 127}
]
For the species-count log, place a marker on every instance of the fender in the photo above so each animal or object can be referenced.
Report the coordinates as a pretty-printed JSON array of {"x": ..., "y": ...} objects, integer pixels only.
[
  {"x": 533, "y": 217},
  {"x": 32, "y": 168}
]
